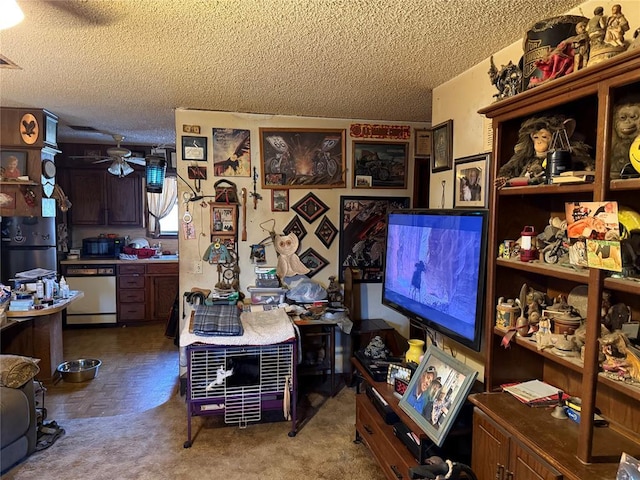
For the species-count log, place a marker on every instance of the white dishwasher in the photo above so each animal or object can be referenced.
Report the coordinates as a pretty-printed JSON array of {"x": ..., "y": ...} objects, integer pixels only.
[{"x": 98, "y": 282}]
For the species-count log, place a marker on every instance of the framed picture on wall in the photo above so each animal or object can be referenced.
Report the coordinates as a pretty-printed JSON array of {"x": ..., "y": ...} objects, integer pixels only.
[
  {"x": 279, "y": 200},
  {"x": 13, "y": 165},
  {"x": 304, "y": 157},
  {"x": 194, "y": 148},
  {"x": 422, "y": 147},
  {"x": 471, "y": 188},
  {"x": 380, "y": 164},
  {"x": 442, "y": 146}
]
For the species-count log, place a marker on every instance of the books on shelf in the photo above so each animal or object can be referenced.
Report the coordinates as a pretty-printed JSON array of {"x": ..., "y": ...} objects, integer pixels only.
[
  {"x": 535, "y": 393},
  {"x": 578, "y": 176}
]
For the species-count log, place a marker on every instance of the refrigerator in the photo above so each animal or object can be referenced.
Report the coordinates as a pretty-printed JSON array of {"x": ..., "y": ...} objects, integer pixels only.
[{"x": 27, "y": 243}]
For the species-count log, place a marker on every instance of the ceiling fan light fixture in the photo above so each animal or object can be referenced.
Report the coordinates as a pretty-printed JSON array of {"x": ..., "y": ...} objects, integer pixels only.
[
  {"x": 126, "y": 169},
  {"x": 10, "y": 14},
  {"x": 114, "y": 168}
]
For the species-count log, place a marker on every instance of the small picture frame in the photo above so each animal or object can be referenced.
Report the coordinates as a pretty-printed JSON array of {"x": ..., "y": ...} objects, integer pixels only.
[
  {"x": 223, "y": 219},
  {"x": 397, "y": 371},
  {"x": 326, "y": 231},
  {"x": 380, "y": 164},
  {"x": 422, "y": 146},
  {"x": 310, "y": 207},
  {"x": 13, "y": 165},
  {"x": 194, "y": 148},
  {"x": 471, "y": 181},
  {"x": 295, "y": 226},
  {"x": 400, "y": 386},
  {"x": 279, "y": 200},
  {"x": 442, "y": 146},
  {"x": 313, "y": 261}
]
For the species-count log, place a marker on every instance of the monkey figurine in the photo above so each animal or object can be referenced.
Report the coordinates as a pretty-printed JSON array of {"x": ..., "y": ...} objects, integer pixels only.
[{"x": 626, "y": 127}]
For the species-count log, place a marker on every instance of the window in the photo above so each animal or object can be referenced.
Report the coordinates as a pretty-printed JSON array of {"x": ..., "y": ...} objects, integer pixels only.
[{"x": 162, "y": 210}]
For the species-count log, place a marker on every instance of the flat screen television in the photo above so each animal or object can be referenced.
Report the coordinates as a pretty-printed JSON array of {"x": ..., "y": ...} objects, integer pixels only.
[{"x": 434, "y": 270}]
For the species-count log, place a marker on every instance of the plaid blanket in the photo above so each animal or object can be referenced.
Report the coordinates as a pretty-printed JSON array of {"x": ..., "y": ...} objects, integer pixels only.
[{"x": 217, "y": 320}]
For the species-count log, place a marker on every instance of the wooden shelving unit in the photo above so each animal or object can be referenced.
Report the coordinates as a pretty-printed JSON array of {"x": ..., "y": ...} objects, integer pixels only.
[{"x": 589, "y": 96}]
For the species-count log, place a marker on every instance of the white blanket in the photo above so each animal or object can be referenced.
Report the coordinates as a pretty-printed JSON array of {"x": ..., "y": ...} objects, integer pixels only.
[{"x": 260, "y": 328}]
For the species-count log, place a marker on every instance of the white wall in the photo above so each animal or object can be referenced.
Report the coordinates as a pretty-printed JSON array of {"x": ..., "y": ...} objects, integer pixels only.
[
  {"x": 193, "y": 250},
  {"x": 460, "y": 99}
]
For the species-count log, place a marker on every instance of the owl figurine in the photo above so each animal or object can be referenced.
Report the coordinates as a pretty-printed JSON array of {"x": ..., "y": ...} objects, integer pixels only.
[{"x": 288, "y": 262}]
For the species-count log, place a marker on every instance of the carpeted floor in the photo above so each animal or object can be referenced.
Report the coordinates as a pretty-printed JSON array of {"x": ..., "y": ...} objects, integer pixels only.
[{"x": 149, "y": 445}]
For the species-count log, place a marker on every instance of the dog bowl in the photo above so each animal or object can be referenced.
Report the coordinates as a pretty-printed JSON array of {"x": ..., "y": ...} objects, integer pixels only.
[{"x": 81, "y": 370}]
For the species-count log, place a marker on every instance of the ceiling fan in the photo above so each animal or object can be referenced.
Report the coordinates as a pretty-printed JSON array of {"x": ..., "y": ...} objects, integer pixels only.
[{"x": 119, "y": 157}]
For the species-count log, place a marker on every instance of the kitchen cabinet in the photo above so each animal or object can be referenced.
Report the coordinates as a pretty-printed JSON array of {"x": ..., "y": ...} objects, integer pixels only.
[
  {"x": 146, "y": 291},
  {"x": 589, "y": 96},
  {"x": 99, "y": 198}
]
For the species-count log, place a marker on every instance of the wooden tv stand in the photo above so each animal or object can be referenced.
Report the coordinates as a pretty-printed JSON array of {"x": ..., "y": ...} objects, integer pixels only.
[{"x": 392, "y": 455}]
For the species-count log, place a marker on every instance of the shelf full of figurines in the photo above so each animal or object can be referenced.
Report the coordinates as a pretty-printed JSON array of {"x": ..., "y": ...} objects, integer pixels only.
[
  {"x": 558, "y": 326},
  {"x": 558, "y": 46}
]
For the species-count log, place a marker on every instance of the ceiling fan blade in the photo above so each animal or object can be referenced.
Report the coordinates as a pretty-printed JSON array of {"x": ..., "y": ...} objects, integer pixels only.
[
  {"x": 102, "y": 160},
  {"x": 83, "y": 157},
  {"x": 137, "y": 161}
]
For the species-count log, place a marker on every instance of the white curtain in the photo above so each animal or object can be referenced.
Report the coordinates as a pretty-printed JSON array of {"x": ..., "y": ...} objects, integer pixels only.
[{"x": 160, "y": 204}]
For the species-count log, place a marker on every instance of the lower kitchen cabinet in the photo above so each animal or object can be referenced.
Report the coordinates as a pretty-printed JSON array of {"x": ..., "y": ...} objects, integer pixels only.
[{"x": 146, "y": 292}]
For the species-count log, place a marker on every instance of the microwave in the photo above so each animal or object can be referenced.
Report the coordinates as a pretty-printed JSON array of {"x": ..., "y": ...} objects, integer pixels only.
[{"x": 103, "y": 247}]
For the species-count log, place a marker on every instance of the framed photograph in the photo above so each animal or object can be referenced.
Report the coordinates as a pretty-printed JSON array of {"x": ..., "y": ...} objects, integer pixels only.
[
  {"x": 442, "y": 146},
  {"x": 279, "y": 200},
  {"x": 231, "y": 152},
  {"x": 380, "y": 165},
  {"x": 422, "y": 146},
  {"x": 397, "y": 371},
  {"x": 272, "y": 179},
  {"x": 295, "y": 226},
  {"x": 307, "y": 157},
  {"x": 326, "y": 231},
  {"x": 223, "y": 219},
  {"x": 313, "y": 261},
  {"x": 436, "y": 392},
  {"x": 194, "y": 149},
  {"x": 400, "y": 386},
  {"x": 471, "y": 188},
  {"x": 310, "y": 207},
  {"x": 363, "y": 226},
  {"x": 13, "y": 164}
]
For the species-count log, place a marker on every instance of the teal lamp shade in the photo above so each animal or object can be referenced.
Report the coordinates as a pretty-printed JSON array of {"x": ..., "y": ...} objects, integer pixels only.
[{"x": 156, "y": 167}]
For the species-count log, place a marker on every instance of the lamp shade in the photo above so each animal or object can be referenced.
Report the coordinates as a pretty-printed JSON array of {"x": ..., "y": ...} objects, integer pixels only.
[{"x": 155, "y": 170}]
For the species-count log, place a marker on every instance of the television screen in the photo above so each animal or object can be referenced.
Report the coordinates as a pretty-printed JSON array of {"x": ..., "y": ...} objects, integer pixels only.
[{"x": 435, "y": 270}]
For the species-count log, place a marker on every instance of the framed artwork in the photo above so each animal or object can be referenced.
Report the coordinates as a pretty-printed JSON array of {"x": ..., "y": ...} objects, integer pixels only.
[
  {"x": 194, "y": 149},
  {"x": 305, "y": 157},
  {"x": 442, "y": 146},
  {"x": 310, "y": 207},
  {"x": 363, "y": 227},
  {"x": 313, "y": 261},
  {"x": 295, "y": 226},
  {"x": 223, "y": 219},
  {"x": 326, "y": 231},
  {"x": 471, "y": 188},
  {"x": 231, "y": 152},
  {"x": 13, "y": 164},
  {"x": 422, "y": 146},
  {"x": 436, "y": 392},
  {"x": 274, "y": 179},
  {"x": 279, "y": 200},
  {"x": 397, "y": 371},
  {"x": 380, "y": 165}
]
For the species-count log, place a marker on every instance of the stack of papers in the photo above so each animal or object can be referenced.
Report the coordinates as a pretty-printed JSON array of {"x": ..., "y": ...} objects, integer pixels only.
[{"x": 535, "y": 393}]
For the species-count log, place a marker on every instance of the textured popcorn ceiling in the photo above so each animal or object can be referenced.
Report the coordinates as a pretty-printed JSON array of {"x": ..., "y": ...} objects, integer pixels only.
[{"x": 123, "y": 66}]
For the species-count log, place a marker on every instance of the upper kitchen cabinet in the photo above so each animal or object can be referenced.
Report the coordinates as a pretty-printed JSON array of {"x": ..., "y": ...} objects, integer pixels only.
[
  {"x": 99, "y": 198},
  {"x": 28, "y": 150}
]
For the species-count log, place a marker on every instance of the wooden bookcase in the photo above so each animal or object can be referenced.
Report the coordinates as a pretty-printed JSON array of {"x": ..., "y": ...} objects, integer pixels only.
[{"x": 589, "y": 96}]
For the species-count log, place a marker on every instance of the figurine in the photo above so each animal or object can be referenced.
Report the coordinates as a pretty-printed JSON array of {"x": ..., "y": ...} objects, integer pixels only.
[
  {"x": 530, "y": 153},
  {"x": 626, "y": 127},
  {"x": 288, "y": 262},
  {"x": 617, "y": 25},
  {"x": 333, "y": 291},
  {"x": 622, "y": 361},
  {"x": 508, "y": 80}
]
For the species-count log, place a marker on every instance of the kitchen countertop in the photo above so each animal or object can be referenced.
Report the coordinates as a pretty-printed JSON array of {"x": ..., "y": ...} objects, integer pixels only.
[{"x": 116, "y": 261}]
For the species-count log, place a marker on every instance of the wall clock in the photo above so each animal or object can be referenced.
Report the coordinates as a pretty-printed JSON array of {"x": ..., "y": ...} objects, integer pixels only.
[{"x": 48, "y": 169}]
